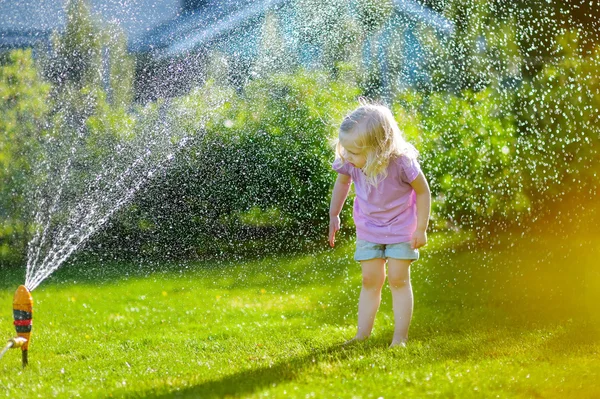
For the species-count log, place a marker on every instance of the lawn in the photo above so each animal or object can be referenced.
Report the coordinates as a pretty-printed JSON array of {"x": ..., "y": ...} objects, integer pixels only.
[{"x": 517, "y": 317}]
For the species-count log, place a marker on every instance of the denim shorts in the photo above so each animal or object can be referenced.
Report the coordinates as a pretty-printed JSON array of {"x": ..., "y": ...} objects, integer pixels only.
[{"x": 366, "y": 250}]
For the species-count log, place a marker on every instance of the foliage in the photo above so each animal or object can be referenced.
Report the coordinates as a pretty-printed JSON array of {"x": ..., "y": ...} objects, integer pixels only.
[
  {"x": 502, "y": 40},
  {"x": 88, "y": 54},
  {"x": 559, "y": 125},
  {"x": 273, "y": 53},
  {"x": 88, "y": 65},
  {"x": 261, "y": 169},
  {"x": 372, "y": 14},
  {"x": 467, "y": 147},
  {"x": 92, "y": 90},
  {"x": 497, "y": 156},
  {"x": 24, "y": 107},
  {"x": 330, "y": 35}
]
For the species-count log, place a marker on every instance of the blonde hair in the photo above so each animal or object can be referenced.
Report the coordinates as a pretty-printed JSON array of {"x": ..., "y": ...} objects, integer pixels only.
[{"x": 375, "y": 131}]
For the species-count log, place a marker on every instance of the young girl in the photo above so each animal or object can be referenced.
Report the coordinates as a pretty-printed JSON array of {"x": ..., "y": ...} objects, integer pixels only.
[{"x": 391, "y": 211}]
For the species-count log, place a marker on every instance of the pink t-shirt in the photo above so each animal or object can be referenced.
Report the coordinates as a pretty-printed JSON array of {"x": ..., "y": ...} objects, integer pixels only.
[{"x": 387, "y": 213}]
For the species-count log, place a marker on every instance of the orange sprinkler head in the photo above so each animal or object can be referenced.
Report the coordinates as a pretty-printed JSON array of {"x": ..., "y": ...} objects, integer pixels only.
[{"x": 23, "y": 312}]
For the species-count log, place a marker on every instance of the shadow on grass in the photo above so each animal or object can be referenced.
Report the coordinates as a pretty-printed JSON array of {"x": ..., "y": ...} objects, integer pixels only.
[
  {"x": 466, "y": 347},
  {"x": 249, "y": 381}
]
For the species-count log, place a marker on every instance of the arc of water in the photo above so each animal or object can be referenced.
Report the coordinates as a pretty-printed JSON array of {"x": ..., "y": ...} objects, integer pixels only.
[
  {"x": 59, "y": 240},
  {"x": 66, "y": 250},
  {"x": 40, "y": 238},
  {"x": 73, "y": 218},
  {"x": 32, "y": 260},
  {"x": 61, "y": 236},
  {"x": 56, "y": 258}
]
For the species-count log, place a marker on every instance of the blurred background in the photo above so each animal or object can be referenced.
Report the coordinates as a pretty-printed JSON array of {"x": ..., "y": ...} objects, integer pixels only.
[{"x": 501, "y": 99}]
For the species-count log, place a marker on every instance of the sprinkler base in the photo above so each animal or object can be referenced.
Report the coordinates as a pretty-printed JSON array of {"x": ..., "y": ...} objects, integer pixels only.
[{"x": 23, "y": 314}]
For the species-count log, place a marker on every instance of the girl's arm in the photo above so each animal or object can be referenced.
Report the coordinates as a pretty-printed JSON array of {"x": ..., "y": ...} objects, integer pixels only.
[
  {"x": 419, "y": 237},
  {"x": 338, "y": 197}
]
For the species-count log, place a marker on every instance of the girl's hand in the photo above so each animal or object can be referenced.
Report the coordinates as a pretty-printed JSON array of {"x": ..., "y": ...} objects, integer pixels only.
[
  {"x": 419, "y": 239},
  {"x": 334, "y": 226}
]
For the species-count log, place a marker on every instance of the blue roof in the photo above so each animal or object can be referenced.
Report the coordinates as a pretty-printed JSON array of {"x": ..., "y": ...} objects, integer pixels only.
[
  {"x": 209, "y": 22},
  {"x": 12, "y": 39},
  {"x": 425, "y": 15},
  {"x": 25, "y": 22},
  {"x": 194, "y": 30},
  {"x": 232, "y": 21}
]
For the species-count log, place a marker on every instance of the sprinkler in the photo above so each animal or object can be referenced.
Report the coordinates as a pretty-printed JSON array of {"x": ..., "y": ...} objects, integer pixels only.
[{"x": 22, "y": 313}]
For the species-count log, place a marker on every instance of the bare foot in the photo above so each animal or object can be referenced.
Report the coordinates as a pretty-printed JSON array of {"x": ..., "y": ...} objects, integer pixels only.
[
  {"x": 354, "y": 341},
  {"x": 401, "y": 343}
]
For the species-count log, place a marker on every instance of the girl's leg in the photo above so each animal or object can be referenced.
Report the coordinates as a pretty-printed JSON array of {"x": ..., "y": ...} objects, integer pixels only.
[
  {"x": 402, "y": 298},
  {"x": 373, "y": 277}
]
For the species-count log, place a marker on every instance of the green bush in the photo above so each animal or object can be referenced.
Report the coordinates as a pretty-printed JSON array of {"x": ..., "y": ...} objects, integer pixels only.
[
  {"x": 467, "y": 146},
  {"x": 258, "y": 166},
  {"x": 495, "y": 157},
  {"x": 23, "y": 106},
  {"x": 559, "y": 126},
  {"x": 260, "y": 169}
]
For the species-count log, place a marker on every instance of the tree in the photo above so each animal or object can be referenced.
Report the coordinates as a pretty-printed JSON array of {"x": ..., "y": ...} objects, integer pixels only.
[
  {"x": 273, "y": 55},
  {"x": 23, "y": 106},
  {"x": 86, "y": 58}
]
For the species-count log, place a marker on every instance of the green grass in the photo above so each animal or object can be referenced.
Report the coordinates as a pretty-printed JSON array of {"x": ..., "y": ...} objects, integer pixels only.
[{"x": 517, "y": 319}]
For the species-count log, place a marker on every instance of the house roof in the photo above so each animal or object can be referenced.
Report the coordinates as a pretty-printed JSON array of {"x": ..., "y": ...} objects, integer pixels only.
[
  {"x": 194, "y": 30},
  {"x": 13, "y": 38},
  {"x": 424, "y": 14},
  {"x": 199, "y": 27},
  {"x": 24, "y": 23}
]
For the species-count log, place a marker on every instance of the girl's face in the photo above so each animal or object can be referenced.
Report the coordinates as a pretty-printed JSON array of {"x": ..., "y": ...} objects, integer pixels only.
[{"x": 352, "y": 153}]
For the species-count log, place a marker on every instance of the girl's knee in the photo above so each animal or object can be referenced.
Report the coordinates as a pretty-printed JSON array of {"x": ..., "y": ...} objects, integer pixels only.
[
  {"x": 399, "y": 273},
  {"x": 398, "y": 280},
  {"x": 373, "y": 273},
  {"x": 373, "y": 280}
]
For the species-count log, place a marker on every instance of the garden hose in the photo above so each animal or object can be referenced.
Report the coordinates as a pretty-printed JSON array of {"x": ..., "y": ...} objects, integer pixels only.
[{"x": 16, "y": 342}]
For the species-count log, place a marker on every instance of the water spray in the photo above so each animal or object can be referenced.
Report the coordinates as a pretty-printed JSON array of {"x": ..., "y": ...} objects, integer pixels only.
[{"x": 22, "y": 313}]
